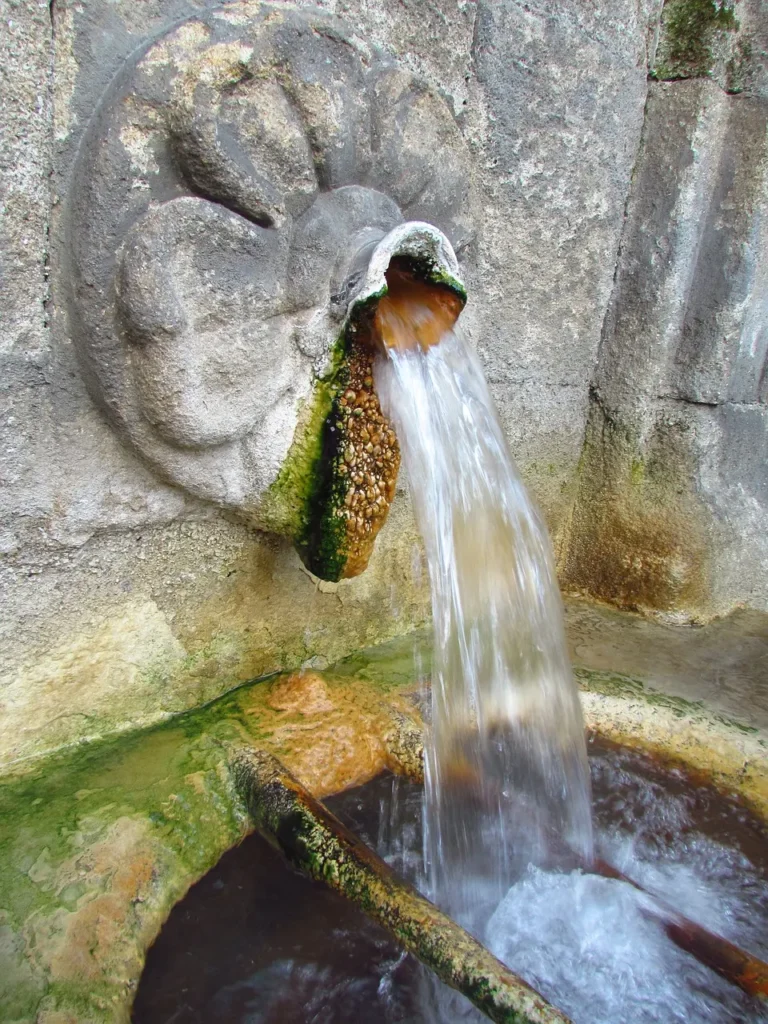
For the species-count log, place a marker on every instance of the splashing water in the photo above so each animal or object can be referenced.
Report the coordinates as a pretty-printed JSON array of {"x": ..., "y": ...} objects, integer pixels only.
[
  {"x": 505, "y": 753},
  {"x": 507, "y": 793},
  {"x": 254, "y": 943}
]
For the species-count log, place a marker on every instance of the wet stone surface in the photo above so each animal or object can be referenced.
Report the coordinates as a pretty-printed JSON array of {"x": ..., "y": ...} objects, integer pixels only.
[{"x": 723, "y": 663}]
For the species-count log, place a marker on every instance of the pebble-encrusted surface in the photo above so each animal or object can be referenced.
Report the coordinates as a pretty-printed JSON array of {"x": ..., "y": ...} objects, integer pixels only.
[
  {"x": 353, "y": 476},
  {"x": 369, "y": 461},
  {"x": 362, "y": 460}
]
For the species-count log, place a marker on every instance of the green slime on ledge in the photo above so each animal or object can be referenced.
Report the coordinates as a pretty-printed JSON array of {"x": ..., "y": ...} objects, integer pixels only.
[{"x": 79, "y": 827}]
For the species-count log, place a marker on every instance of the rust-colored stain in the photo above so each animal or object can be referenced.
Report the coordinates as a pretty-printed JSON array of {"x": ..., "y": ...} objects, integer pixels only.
[
  {"x": 333, "y": 734},
  {"x": 640, "y": 558},
  {"x": 94, "y": 935},
  {"x": 413, "y": 312},
  {"x": 638, "y": 536}
]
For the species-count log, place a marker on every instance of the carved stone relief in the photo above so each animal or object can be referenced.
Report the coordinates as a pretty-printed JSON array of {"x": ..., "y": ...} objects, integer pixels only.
[{"x": 224, "y": 190}]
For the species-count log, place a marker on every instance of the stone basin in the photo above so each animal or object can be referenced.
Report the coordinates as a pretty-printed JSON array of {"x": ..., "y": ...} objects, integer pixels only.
[{"x": 100, "y": 841}]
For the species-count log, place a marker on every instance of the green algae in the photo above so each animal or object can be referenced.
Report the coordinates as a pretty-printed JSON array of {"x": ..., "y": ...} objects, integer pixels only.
[
  {"x": 690, "y": 29},
  {"x": 165, "y": 788},
  {"x": 168, "y": 788},
  {"x": 289, "y": 503},
  {"x": 396, "y": 664},
  {"x": 323, "y": 544},
  {"x": 434, "y": 274},
  {"x": 132, "y": 821},
  {"x": 329, "y": 547},
  {"x": 319, "y": 845},
  {"x": 740, "y": 67},
  {"x": 21, "y": 989},
  {"x": 614, "y": 684},
  {"x": 306, "y": 501}
]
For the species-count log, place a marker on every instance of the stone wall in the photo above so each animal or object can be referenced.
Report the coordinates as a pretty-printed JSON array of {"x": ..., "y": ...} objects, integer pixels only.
[
  {"x": 672, "y": 506},
  {"x": 126, "y": 599}
]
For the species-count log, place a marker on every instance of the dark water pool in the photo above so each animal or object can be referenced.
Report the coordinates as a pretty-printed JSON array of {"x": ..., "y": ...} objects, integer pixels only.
[{"x": 255, "y": 943}]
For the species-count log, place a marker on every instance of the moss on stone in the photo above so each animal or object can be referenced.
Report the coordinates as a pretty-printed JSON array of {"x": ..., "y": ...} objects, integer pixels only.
[
  {"x": 356, "y": 469},
  {"x": 392, "y": 665},
  {"x": 309, "y": 501},
  {"x": 436, "y": 275},
  {"x": 114, "y": 834},
  {"x": 318, "y": 844},
  {"x": 614, "y": 684},
  {"x": 287, "y": 507},
  {"x": 637, "y": 535},
  {"x": 689, "y": 31},
  {"x": 322, "y": 545},
  {"x": 740, "y": 67},
  {"x": 98, "y": 842},
  {"x": 719, "y": 750}
]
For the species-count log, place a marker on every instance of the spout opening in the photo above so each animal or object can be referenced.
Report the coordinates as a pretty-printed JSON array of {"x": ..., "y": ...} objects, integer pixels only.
[
  {"x": 414, "y": 256},
  {"x": 416, "y": 310},
  {"x": 411, "y": 293}
]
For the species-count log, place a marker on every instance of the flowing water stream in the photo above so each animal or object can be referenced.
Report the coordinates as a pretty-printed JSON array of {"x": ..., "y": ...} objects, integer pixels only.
[
  {"x": 506, "y": 766},
  {"x": 505, "y": 830},
  {"x": 507, "y": 794}
]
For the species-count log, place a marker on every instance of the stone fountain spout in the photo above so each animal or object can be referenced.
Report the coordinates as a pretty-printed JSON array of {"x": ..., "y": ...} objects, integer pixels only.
[
  {"x": 421, "y": 245},
  {"x": 218, "y": 292},
  {"x": 353, "y": 477}
]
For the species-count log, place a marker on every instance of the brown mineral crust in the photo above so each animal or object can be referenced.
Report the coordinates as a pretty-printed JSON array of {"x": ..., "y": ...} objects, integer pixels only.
[
  {"x": 369, "y": 460},
  {"x": 305, "y": 692},
  {"x": 414, "y": 313},
  {"x": 96, "y": 937}
]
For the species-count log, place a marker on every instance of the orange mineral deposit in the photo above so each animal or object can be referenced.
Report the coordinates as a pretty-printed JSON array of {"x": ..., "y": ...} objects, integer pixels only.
[{"x": 414, "y": 312}]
